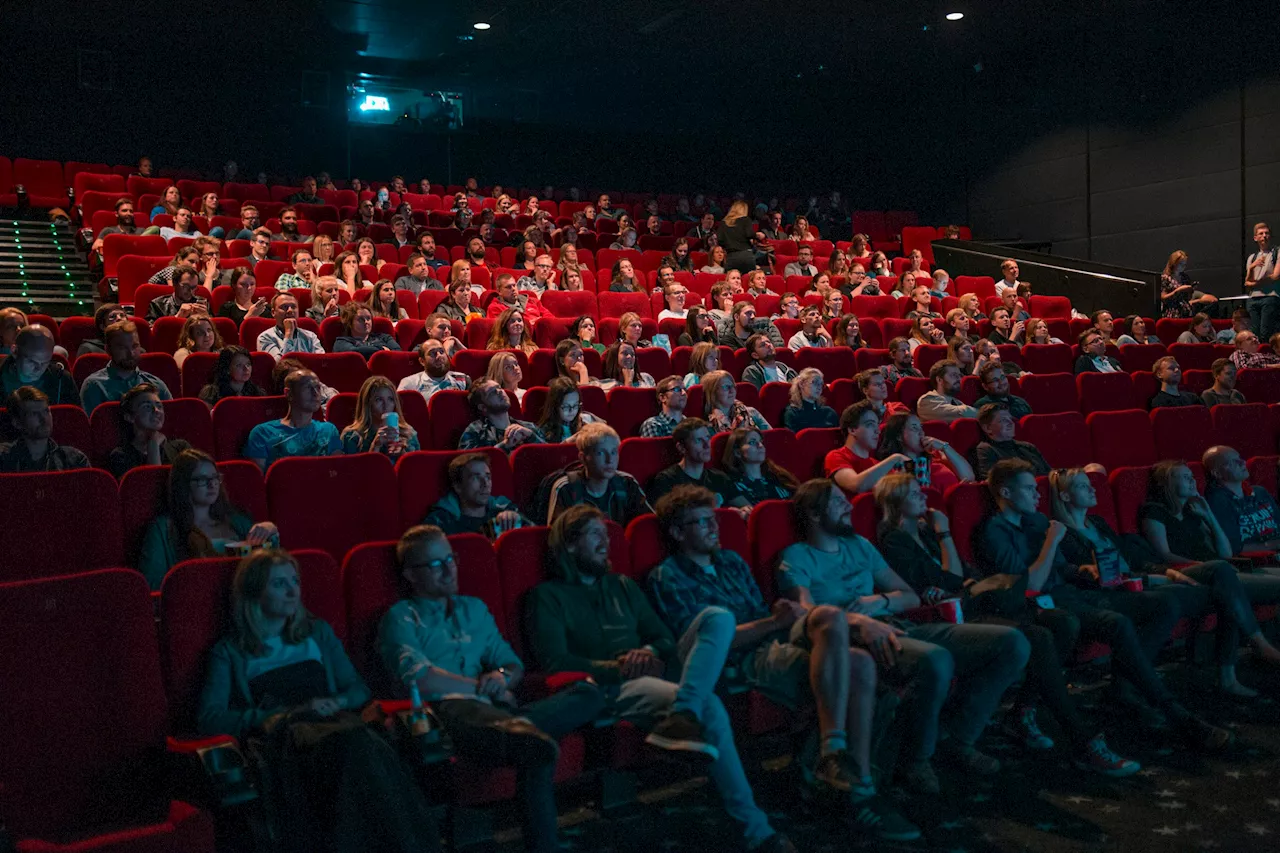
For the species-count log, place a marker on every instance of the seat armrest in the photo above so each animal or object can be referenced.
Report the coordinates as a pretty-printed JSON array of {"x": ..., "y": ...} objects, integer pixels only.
[
  {"x": 220, "y": 763},
  {"x": 540, "y": 685}
]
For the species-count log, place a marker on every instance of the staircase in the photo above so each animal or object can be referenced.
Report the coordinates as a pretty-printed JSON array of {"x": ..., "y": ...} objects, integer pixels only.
[{"x": 40, "y": 270}]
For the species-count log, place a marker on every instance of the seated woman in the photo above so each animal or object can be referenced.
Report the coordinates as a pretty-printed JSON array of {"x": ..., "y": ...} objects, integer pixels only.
[
  {"x": 186, "y": 256},
  {"x": 626, "y": 239},
  {"x": 800, "y": 230},
  {"x": 715, "y": 261},
  {"x": 242, "y": 304},
  {"x": 704, "y": 359},
  {"x": 367, "y": 254},
  {"x": 848, "y": 331},
  {"x": 721, "y": 407},
  {"x": 879, "y": 267},
  {"x": 198, "y": 334},
  {"x": 675, "y": 295},
  {"x": 324, "y": 298},
  {"x": 526, "y": 256},
  {"x": 1184, "y": 533},
  {"x": 281, "y": 677},
  {"x": 699, "y": 327},
  {"x": 569, "y": 362},
  {"x": 971, "y": 305},
  {"x": 382, "y": 302},
  {"x": 924, "y": 332},
  {"x": 346, "y": 269},
  {"x": 569, "y": 260},
  {"x": 916, "y": 542},
  {"x": 1201, "y": 331},
  {"x": 570, "y": 281},
  {"x": 107, "y": 315},
  {"x": 504, "y": 368},
  {"x": 631, "y": 330},
  {"x": 755, "y": 477},
  {"x": 583, "y": 330},
  {"x": 562, "y": 415},
  {"x": 757, "y": 284},
  {"x": 807, "y": 408},
  {"x": 960, "y": 350},
  {"x": 201, "y": 521},
  {"x": 936, "y": 462},
  {"x": 357, "y": 323},
  {"x": 141, "y": 441},
  {"x": 1134, "y": 331},
  {"x": 619, "y": 369},
  {"x": 623, "y": 278},
  {"x": 1038, "y": 332},
  {"x": 322, "y": 250},
  {"x": 379, "y": 425},
  {"x": 820, "y": 283},
  {"x": 457, "y": 305},
  {"x": 838, "y": 263},
  {"x": 510, "y": 332},
  {"x": 232, "y": 376}
]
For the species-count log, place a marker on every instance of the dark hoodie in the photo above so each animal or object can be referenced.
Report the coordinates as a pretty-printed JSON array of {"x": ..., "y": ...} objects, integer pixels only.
[{"x": 580, "y": 627}]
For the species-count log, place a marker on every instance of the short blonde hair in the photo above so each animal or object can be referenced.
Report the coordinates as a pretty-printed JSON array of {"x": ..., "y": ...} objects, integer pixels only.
[{"x": 590, "y": 436}]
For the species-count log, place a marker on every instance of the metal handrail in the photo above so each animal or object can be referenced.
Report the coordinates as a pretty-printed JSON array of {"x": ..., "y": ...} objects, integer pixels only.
[{"x": 953, "y": 248}]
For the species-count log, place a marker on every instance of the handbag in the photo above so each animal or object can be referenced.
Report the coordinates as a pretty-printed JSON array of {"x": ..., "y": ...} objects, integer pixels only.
[{"x": 997, "y": 595}]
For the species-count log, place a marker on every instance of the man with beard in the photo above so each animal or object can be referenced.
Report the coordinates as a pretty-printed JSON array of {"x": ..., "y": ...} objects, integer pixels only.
[
  {"x": 124, "y": 223},
  {"x": 943, "y": 402},
  {"x": 35, "y": 449},
  {"x": 471, "y": 506},
  {"x": 183, "y": 302},
  {"x": 435, "y": 375},
  {"x": 122, "y": 373},
  {"x": 588, "y": 619},
  {"x": 289, "y": 228},
  {"x": 494, "y": 426}
]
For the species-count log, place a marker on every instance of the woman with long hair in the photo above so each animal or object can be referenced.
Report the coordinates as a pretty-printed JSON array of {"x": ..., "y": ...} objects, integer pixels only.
[
  {"x": 569, "y": 362},
  {"x": 923, "y": 331},
  {"x": 168, "y": 203},
  {"x": 838, "y": 264},
  {"x": 526, "y": 255},
  {"x": 878, "y": 266},
  {"x": 623, "y": 278},
  {"x": 859, "y": 248},
  {"x": 562, "y": 415},
  {"x": 937, "y": 463},
  {"x": 571, "y": 281},
  {"x": 281, "y": 677},
  {"x": 631, "y": 330},
  {"x": 699, "y": 327},
  {"x": 722, "y": 408},
  {"x": 800, "y": 230},
  {"x": 457, "y": 305},
  {"x": 199, "y": 334},
  {"x": 619, "y": 368},
  {"x": 755, "y": 477},
  {"x": 209, "y": 207},
  {"x": 1134, "y": 331},
  {"x": 141, "y": 416},
  {"x": 1200, "y": 331},
  {"x": 1177, "y": 289},
  {"x": 504, "y": 368},
  {"x": 358, "y": 334},
  {"x": 379, "y": 425},
  {"x": 917, "y": 544},
  {"x": 736, "y": 234},
  {"x": 1037, "y": 331},
  {"x": 971, "y": 305},
  {"x": 960, "y": 350},
  {"x": 511, "y": 332},
  {"x": 583, "y": 330},
  {"x": 807, "y": 407},
  {"x": 367, "y": 254},
  {"x": 382, "y": 302},
  {"x": 848, "y": 332},
  {"x": 704, "y": 359},
  {"x": 232, "y": 376},
  {"x": 346, "y": 269},
  {"x": 716, "y": 258},
  {"x": 200, "y": 520},
  {"x": 187, "y": 256},
  {"x": 569, "y": 259}
]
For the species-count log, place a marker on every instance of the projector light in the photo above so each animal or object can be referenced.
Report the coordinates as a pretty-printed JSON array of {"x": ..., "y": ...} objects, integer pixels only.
[
  {"x": 481, "y": 25},
  {"x": 954, "y": 16}
]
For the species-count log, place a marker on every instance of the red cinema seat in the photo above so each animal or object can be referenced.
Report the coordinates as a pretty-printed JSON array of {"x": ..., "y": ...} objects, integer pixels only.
[
  {"x": 1247, "y": 428},
  {"x": 1192, "y": 356},
  {"x": 647, "y": 542},
  {"x": 1106, "y": 392},
  {"x": 1135, "y": 357},
  {"x": 1049, "y": 393},
  {"x": 71, "y": 427},
  {"x": 570, "y": 304},
  {"x": 1121, "y": 438},
  {"x": 423, "y": 479},
  {"x": 185, "y": 418},
  {"x": 968, "y": 504},
  {"x": 43, "y": 180},
  {"x": 45, "y": 507},
  {"x": 1051, "y": 307},
  {"x": 880, "y": 307},
  {"x": 617, "y": 304},
  {"x": 834, "y": 362},
  {"x": 983, "y": 285},
  {"x": 642, "y": 458},
  {"x": 81, "y": 773},
  {"x": 1062, "y": 437},
  {"x": 926, "y": 355},
  {"x": 235, "y": 417},
  {"x": 530, "y": 463},
  {"x": 770, "y": 528},
  {"x": 361, "y": 488},
  {"x": 1129, "y": 490},
  {"x": 869, "y": 358},
  {"x": 811, "y": 448},
  {"x": 394, "y": 365},
  {"x": 1184, "y": 432},
  {"x": 450, "y": 413},
  {"x": 1047, "y": 358},
  {"x": 116, "y": 246},
  {"x": 1259, "y": 385},
  {"x": 630, "y": 407},
  {"x": 8, "y": 198},
  {"x": 345, "y": 371},
  {"x": 910, "y": 389}
]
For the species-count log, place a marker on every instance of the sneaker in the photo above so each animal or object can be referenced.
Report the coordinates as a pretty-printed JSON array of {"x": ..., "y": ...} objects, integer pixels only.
[
  {"x": 921, "y": 778},
  {"x": 776, "y": 843},
  {"x": 833, "y": 772},
  {"x": 875, "y": 815},
  {"x": 1099, "y": 758},
  {"x": 681, "y": 732},
  {"x": 969, "y": 758},
  {"x": 1024, "y": 728}
]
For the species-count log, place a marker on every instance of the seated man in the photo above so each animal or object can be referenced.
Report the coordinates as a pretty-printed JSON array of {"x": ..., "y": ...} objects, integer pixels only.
[
  {"x": 672, "y": 397},
  {"x": 1223, "y": 391},
  {"x": 510, "y": 297},
  {"x": 599, "y": 483},
  {"x": 834, "y": 566},
  {"x": 996, "y": 384},
  {"x": 286, "y": 335},
  {"x": 31, "y": 363},
  {"x": 494, "y": 426},
  {"x": 764, "y": 366},
  {"x": 1249, "y": 353},
  {"x": 183, "y": 302},
  {"x": 439, "y": 327},
  {"x": 1239, "y": 323},
  {"x": 997, "y": 425},
  {"x": 854, "y": 467},
  {"x": 306, "y": 195},
  {"x": 419, "y": 277},
  {"x": 122, "y": 373},
  {"x": 1017, "y": 313},
  {"x": 124, "y": 224},
  {"x": 427, "y": 248},
  {"x": 298, "y": 433},
  {"x": 692, "y": 437},
  {"x": 34, "y": 450},
  {"x": 543, "y": 278},
  {"x": 1019, "y": 540},
  {"x": 803, "y": 264},
  {"x": 900, "y": 363},
  {"x": 741, "y": 324},
  {"x": 447, "y": 649},
  {"x": 813, "y": 333},
  {"x": 1003, "y": 329},
  {"x": 183, "y": 226},
  {"x": 1169, "y": 375},
  {"x": 471, "y": 506},
  {"x": 1247, "y": 513},
  {"x": 943, "y": 402},
  {"x": 304, "y": 272},
  {"x": 1093, "y": 355},
  {"x": 435, "y": 374},
  {"x": 794, "y": 657},
  {"x": 1104, "y": 324},
  {"x": 289, "y": 232},
  {"x": 589, "y": 619}
]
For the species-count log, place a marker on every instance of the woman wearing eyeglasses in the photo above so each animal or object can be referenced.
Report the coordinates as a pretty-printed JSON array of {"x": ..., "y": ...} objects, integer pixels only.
[{"x": 201, "y": 521}]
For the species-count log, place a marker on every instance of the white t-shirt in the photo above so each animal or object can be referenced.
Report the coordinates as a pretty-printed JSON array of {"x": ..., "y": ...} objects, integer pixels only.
[{"x": 667, "y": 313}]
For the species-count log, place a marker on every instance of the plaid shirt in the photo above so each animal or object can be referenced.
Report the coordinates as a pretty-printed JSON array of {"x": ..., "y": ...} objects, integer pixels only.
[
  {"x": 482, "y": 433},
  {"x": 681, "y": 590},
  {"x": 1242, "y": 359},
  {"x": 659, "y": 426},
  {"x": 291, "y": 280}
]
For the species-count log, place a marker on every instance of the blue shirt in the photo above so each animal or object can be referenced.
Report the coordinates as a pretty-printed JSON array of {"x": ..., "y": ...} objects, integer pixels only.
[
  {"x": 110, "y": 384},
  {"x": 419, "y": 633},
  {"x": 273, "y": 440}
]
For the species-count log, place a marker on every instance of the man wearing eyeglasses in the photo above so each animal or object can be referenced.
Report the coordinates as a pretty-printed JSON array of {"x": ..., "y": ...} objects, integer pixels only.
[
  {"x": 543, "y": 278},
  {"x": 449, "y": 647}
]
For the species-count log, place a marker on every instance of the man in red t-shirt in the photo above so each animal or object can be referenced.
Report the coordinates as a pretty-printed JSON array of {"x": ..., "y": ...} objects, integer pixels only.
[{"x": 854, "y": 466}]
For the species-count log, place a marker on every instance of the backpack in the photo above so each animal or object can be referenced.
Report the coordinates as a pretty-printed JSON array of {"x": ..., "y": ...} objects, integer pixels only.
[{"x": 540, "y": 503}]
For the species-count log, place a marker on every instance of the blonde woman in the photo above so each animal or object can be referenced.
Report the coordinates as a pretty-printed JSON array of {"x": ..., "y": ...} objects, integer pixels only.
[
  {"x": 379, "y": 425},
  {"x": 971, "y": 305},
  {"x": 322, "y": 249},
  {"x": 324, "y": 298},
  {"x": 199, "y": 334},
  {"x": 1038, "y": 332},
  {"x": 704, "y": 359},
  {"x": 736, "y": 235},
  {"x": 504, "y": 368},
  {"x": 511, "y": 332},
  {"x": 569, "y": 259},
  {"x": 808, "y": 408},
  {"x": 460, "y": 271},
  {"x": 722, "y": 408}
]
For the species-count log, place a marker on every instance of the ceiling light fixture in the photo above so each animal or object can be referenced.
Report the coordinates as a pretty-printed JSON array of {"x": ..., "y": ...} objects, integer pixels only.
[
  {"x": 954, "y": 16},
  {"x": 481, "y": 25}
]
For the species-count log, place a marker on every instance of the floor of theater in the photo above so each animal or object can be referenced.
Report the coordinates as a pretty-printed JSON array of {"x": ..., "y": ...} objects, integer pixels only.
[{"x": 1179, "y": 802}]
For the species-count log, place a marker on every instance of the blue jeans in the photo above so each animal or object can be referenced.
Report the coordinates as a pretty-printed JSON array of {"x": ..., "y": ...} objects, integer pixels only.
[
  {"x": 1229, "y": 594},
  {"x": 1264, "y": 316},
  {"x": 702, "y": 651}
]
